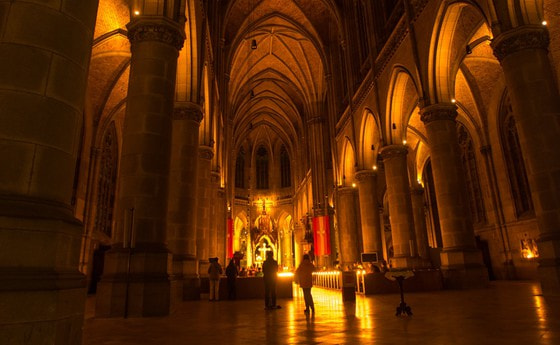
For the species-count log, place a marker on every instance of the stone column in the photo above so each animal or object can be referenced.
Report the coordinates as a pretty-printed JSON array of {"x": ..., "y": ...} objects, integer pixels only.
[
  {"x": 213, "y": 218},
  {"x": 136, "y": 281},
  {"x": 418, "y": 211},
  {"x": 347, "y": 227},
  {"x": 221, "y": 228},
  {"x": 461, "y": 262},
  {"x": 43, "y": 73},
  {"x": 369, "y": 215},
  {"x": 205, "y": 155},
  {"x": 536, "y": 104},
  {"x": 182, "y": 208},
  {"x": 400, "y": 205}
]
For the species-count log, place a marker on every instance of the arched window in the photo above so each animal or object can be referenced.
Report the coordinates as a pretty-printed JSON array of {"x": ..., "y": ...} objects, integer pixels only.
[
  {"x": 107, "y": 182},
  {"x": 514, "y": 160},
  {"x": 240, "y": 169},
  {"x": 262, "y": 168},
  {"x": 468, "y": 158},
  {"x": 285, "y": 168},
  {"x": 434, "y": 232}
]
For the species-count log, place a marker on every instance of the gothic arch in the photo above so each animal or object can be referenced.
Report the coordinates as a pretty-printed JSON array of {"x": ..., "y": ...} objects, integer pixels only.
[
  {"x": 456, "y": 24},
  {"x": 401, "y": 101},
  {"x": 370, "y": 139}
]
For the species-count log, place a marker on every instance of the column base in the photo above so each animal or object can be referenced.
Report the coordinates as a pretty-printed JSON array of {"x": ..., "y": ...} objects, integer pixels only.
[
  {"x": 406, "y": 262},
  {"x": 144, "y": 292},
  {"x": 42, "y": 295},
  {"x": 549, "y": 264},
  {"x": 463, "y": 269},
  {"x": 187, "y": 287}
]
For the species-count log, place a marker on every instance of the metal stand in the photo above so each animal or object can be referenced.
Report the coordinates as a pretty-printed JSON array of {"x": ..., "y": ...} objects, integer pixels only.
[{"x": 402, "y": 308}]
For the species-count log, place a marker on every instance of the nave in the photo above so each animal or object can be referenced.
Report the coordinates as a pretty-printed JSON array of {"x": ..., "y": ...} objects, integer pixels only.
[{"x": 506, "y": 313}]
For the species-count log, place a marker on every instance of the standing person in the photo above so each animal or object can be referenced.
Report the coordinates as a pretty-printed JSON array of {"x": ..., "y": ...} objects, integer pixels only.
[
  {"x": 270, "y": 272},
  {"x": 231, "y": 273},
  {"x": 214, "y": 273},
  {"x": 304, "y": 277}
]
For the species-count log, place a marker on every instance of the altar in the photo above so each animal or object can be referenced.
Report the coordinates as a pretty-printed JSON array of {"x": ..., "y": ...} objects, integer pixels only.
[{"x": 253, "y": 287}]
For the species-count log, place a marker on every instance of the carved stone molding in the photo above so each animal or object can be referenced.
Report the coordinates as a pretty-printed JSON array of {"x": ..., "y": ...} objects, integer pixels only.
[
  {"x": 187, "y": 113},
  {"x": 520, "y": 38},
  {"x": 438, "y": 112},
  {"x": 346, "y": 190},
  {"x": 161, "y": 30},
  {"x": 315, "y": 119},
  {"x": 215, "y": 176},
  {"x": 205, "y": 152},
  {"x": 393, "y": 151},
  {"x": 363, "y": 175}
]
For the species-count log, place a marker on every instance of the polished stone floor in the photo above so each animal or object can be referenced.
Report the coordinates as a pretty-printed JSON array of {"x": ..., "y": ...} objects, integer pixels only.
[{"x": 506, "y": 313}]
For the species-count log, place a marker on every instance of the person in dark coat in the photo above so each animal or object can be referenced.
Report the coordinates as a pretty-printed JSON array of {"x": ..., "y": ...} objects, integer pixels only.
[
  {"x": 231, "y": 273},
  {"x": 270, "y": 273},
  {"x": 304, "y": 277}
]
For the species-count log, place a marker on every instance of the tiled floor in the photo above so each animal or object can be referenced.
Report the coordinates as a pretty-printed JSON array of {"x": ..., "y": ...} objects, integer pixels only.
[{"x": 506, "y": 313}]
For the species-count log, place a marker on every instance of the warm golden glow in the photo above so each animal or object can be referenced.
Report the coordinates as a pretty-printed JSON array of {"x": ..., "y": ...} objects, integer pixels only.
[
  {"x": 354, "y": 185},
  {"x": 544, "y": 22},
  {"x": 375, "y": 167},
  {"x": 285, "y": 274},
  {"x": 453, "y": 100},
  {"x": 404, "y": 142},
  {"x": 136, "y": 13}
]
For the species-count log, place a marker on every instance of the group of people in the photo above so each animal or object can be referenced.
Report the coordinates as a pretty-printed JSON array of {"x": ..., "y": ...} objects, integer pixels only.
[{"x": 303, "y": 276}]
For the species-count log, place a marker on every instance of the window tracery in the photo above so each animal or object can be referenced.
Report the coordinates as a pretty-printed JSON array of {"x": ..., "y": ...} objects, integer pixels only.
[
  {"x": 240, "y": 169},
  {"x": 468, "y": 158},
  {"x": 517, "y": 174},
  {"x": 285, "y": 168},
  {"x": 262, "y": 168},
  {"x": 107, "y": 182}
]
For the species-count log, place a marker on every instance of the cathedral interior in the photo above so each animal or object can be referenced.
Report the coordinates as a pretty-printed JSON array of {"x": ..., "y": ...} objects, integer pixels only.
[{"x": 140, "y": 138}]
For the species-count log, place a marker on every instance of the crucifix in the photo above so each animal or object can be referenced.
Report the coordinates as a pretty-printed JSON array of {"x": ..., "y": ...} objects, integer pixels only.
[{"x": 263, "y": 249}]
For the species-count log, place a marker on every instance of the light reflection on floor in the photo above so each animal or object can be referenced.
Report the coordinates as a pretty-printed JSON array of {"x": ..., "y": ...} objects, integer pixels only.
[{"x": 506, "y": 313}]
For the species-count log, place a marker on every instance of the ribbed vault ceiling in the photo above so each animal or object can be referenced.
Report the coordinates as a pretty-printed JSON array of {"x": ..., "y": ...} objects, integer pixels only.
[{"x": 282, "y": 81}]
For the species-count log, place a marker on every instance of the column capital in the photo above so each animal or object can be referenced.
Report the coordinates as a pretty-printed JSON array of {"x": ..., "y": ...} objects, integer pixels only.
[
  {"x": 187, "y": 111},
  {"x": 520, "y": 38},
  {"x": 158, "y": 29},
  {"x": 363, "y": 175},
  {"x": 438, "y": 112},
  {"x": 346, "y": 190},
  {"x": 205, "y": 152},
  {"x": 392, "y": 151}
]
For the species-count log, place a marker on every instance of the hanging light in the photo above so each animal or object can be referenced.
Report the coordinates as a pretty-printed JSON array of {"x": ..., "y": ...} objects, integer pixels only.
[
  {"x": 253, "y": 44},
  {"x": 252, "y": 93}
]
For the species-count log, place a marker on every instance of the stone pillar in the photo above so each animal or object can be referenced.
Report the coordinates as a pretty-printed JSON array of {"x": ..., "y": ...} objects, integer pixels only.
[
  {"x": 221, "y": 228},
  {"x": 205, "y": 155},
  {"x": 461, "y": 262},
  {"x": 418, "y": 211},
  {"x": 536, "y": 104},
  {"x": 182, "y": 207},
  {"x": 369, "y": 215},
  {"x": 136, "y": 278},
  {"x": 43, "y": 73},
  {"x": 213, "y": 218},
  {"x": 347, "y": 227},
  {"x": 400, "y": 205}
]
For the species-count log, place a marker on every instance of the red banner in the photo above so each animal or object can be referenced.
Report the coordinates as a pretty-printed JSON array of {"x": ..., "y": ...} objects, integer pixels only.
[
  {"x": 229, "y": 238},
  {"x": 321, "y": 235}
]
